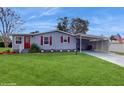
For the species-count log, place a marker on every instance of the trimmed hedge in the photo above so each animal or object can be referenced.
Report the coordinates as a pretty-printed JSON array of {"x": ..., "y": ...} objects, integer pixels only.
[
  {"x": 34, "y": 49},
  {"x": 2, "y": 44}
]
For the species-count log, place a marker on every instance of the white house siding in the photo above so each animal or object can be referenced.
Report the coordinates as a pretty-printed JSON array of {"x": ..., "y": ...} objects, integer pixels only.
[
  {"x": 56, "y": 41},
  {"x": 116, "y": 47},
  {"x": 15, "y": 46}
]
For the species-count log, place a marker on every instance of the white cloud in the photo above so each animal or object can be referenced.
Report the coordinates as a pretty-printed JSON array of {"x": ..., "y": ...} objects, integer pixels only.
[
  {"x": 49, "y": 11},
  {"x": 45, "y": 12},
  {"x": 40, "y": 26},
  {"x": 32, "y": 17},
  {"x": 107, "y": 25}
]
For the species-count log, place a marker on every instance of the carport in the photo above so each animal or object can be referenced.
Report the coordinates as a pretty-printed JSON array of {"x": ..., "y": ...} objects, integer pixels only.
[{"x": 92, "y": 43}]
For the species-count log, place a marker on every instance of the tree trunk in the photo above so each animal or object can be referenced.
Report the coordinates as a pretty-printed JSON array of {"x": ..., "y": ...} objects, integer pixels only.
[{"x": 6, "y": 41}]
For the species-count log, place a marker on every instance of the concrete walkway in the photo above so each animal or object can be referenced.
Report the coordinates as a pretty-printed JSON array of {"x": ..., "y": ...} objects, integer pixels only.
[{"x": 111, "y": 57}]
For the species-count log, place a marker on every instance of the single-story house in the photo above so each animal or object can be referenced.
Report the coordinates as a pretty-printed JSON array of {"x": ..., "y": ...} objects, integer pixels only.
[{"x": 59, "y": 41}]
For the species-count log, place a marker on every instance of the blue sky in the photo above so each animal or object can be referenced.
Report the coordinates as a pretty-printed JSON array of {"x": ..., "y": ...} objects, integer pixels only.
[{"x": 103, "y": 21}]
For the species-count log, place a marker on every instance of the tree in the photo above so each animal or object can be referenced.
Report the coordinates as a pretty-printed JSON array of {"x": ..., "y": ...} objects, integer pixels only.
[
  {"x": 9, "y": 23},
  {"x": 75, "y": 25},
  {"x": 0, "y": 38},
  {"x": 34, "y": 32},
  {"x": 112, "y": 37},
  {"x": 79, "y": 25},
  {"x": 63, "y": 24}
]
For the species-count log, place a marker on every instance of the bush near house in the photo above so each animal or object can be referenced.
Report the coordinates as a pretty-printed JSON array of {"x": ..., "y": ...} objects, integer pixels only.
[
  {"x": 34, "y": 49},
  {"x": 2, "y": 49},
  {"x": 6, "y": 51},
  {"x": 2, "y": 44}
]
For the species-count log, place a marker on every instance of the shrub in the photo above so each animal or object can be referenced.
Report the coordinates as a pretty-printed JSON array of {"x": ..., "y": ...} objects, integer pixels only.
[
  {"x": 2, "y": 44},
  {"x": 10, "y": 45},
  {"x": 7, "y": 51},
  {"x": 34, "y": 49}
]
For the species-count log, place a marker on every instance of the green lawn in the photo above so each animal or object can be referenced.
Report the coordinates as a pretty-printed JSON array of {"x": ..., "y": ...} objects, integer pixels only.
[
  {"x": 58, "y": 69},
  {"x": 2, "y": 49}
]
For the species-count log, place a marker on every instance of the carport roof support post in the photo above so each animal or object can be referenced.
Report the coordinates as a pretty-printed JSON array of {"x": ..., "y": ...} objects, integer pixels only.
[{"x": 80, "y": 44}]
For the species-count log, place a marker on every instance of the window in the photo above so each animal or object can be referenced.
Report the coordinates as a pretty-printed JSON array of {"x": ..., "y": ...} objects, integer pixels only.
[
  {"x": 65, "y": 40},
  {"x": 46, "y": 40},
  {"x": 27, "y": 39},
  {"x": 18, "y": 40}
]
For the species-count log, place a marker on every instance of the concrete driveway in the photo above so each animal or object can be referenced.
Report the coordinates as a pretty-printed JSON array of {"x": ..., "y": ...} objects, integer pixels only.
[{"x": 111, "y": 57}]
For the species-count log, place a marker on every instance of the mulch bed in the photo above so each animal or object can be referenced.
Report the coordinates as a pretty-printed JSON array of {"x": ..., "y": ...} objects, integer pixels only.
[{"x": 7, "y": 52}]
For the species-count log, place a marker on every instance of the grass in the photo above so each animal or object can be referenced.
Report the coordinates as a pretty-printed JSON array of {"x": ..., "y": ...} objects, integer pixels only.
[
  {"x": 2, "y": 49},
  {"x": 59, "y": 69},
  {"x": 120, "y": 53}
]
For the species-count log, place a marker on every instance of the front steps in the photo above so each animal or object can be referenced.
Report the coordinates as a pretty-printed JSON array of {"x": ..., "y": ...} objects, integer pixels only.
[{"x": 25, "y": 51}]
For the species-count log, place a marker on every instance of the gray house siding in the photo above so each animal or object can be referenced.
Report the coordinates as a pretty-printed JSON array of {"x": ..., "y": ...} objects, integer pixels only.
[
  {"x": 101, "y": 44},
  {"x": 56, "y": 41},
  {"x": 15, "y": 46}
]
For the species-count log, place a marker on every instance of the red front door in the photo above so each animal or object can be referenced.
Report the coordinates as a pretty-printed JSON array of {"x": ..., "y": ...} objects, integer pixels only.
[{"x": 26, "y": 41}]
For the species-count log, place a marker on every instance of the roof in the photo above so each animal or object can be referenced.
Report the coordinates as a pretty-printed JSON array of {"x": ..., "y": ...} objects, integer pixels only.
[
  {"x": 83, "y": 36},
  {"x": 91, "y": 37},
  {"x": 44, "y": 33}
]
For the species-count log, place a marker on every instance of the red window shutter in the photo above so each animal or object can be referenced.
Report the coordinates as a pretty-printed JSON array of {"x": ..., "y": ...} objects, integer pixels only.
[
  {"x": 68, "y": 39},
  {"x": 61, "y": 39},
  {"x": 50, "y": 40},
  {"x": 41, "y": 40}
]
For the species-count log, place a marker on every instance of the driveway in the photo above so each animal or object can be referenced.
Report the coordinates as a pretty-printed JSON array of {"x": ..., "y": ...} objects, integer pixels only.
[{"x": 111, "y": 57}]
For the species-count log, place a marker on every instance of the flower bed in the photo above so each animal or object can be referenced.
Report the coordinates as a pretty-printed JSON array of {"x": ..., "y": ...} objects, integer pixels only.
[{"x": 7, "y": 52}]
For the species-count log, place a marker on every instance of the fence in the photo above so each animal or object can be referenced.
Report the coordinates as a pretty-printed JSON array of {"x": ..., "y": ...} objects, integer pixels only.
[{"x": 116, "y": 47}]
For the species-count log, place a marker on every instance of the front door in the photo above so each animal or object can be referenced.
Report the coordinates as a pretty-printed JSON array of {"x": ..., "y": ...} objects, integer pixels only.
[{"x": 26, "y": 41}]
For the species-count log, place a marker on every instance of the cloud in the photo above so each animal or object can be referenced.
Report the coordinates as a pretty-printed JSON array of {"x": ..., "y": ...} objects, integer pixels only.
[
  {"x": 40, "y": 26},
  {"x": 49, "y": 11},
  {"x": 40, "y": 12},
  {"x": 32, "y": 17},
  {"x": 106, "y": 25}
]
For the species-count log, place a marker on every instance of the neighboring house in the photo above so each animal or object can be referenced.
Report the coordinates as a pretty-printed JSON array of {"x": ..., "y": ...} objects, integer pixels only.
[
  {"x": 58, "y": 41},
  {"x": 116, "y": 38}
]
